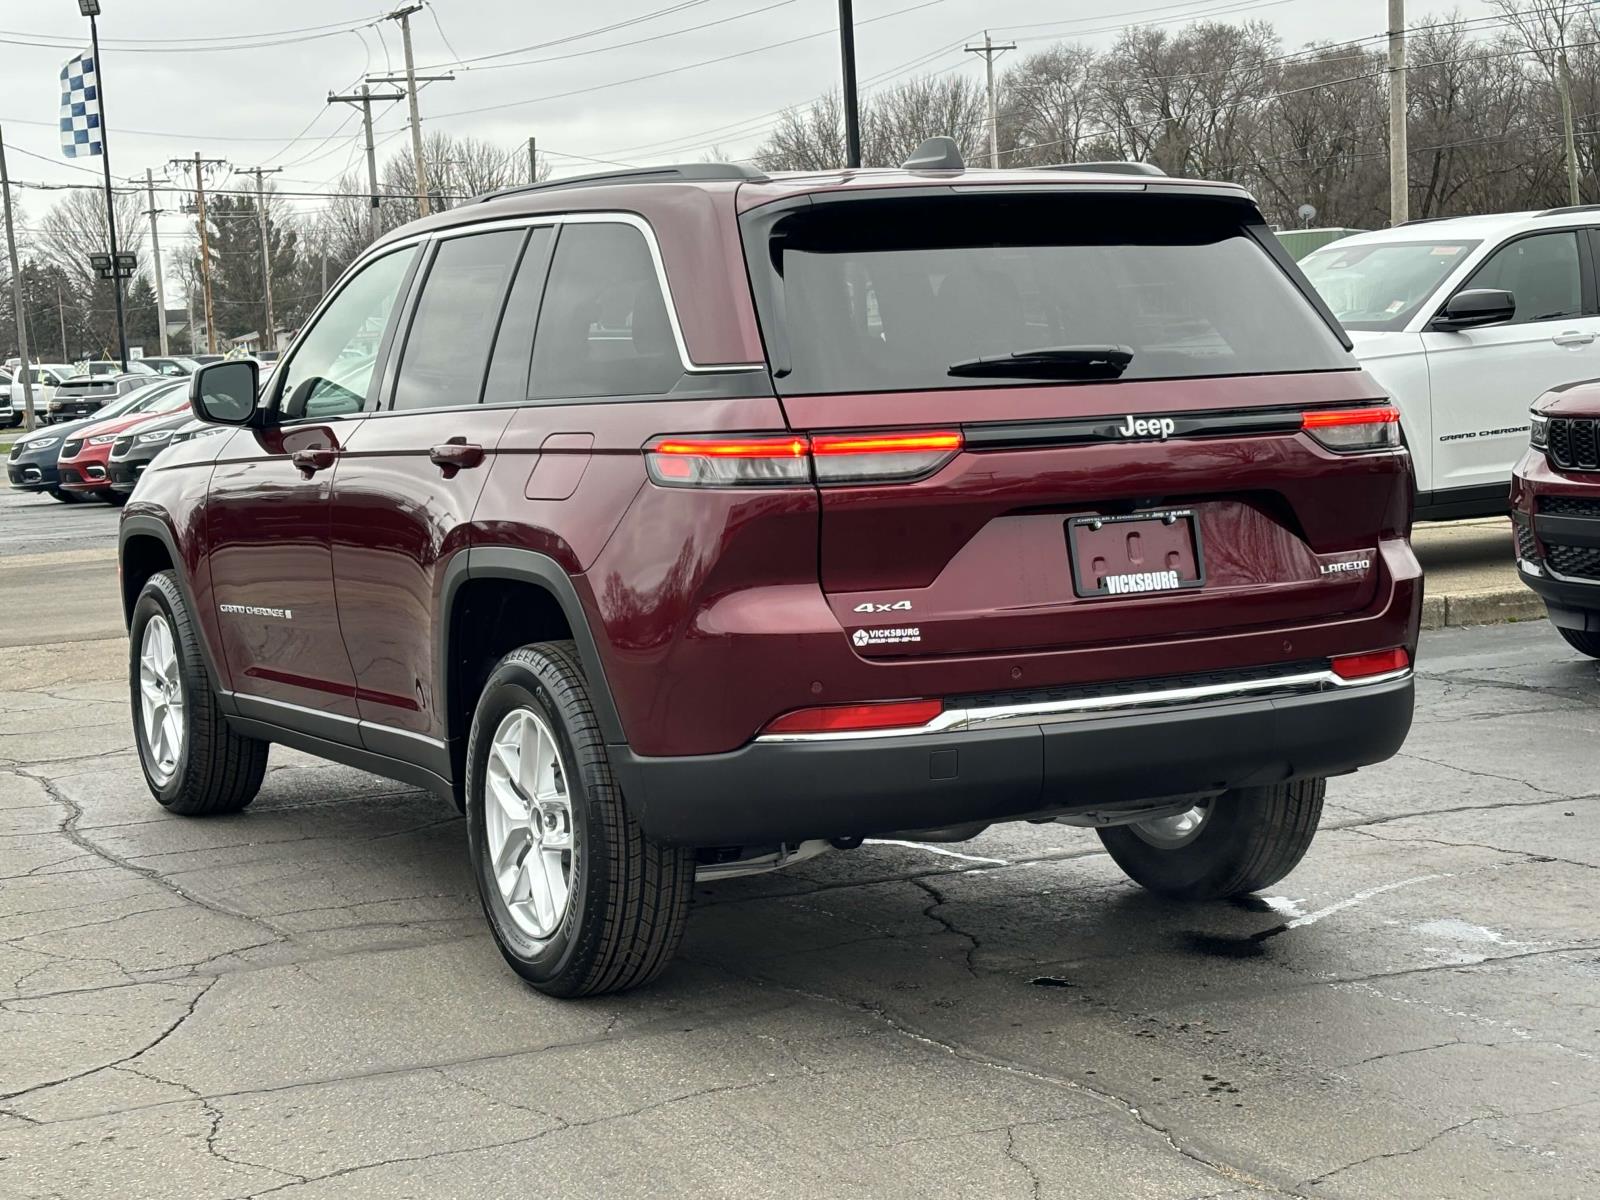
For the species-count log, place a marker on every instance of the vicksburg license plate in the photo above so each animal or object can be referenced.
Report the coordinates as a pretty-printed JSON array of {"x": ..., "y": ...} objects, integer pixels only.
[{"x": 1139, "y": 554}]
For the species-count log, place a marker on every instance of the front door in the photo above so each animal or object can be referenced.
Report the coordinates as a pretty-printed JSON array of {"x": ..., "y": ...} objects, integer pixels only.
[
  {"x": 409, "y": 479},
  {"x": 267, "y": 508},
  {"x": 1483, "y": 380}
]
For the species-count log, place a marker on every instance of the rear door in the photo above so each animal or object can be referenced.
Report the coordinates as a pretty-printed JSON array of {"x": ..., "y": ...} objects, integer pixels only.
[
  {"x": 409, "y": 479},
  {"x": 1147, "y": 476},
  {"x": 1483, "y": 380}
]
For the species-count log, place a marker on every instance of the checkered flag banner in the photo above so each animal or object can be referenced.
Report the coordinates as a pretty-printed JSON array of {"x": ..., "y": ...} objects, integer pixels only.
[{"x": 80, "y": 108}]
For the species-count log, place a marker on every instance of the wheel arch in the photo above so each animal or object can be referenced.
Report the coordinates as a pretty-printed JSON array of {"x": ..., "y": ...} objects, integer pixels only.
[
  {"x": 146, "y": 545},
  {"x": 494, "y": 599}
]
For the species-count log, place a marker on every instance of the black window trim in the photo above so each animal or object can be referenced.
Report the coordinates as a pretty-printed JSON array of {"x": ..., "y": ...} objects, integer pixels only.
[{"x": 1586, "y": 277}]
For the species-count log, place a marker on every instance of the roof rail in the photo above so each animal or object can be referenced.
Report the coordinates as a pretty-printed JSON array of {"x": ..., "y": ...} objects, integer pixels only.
[
  {"x": 686, "y": 172},
  {"x": 1570, "y": 208},
  {"x": 1118, "y": 167},
  {"x": 1420, "y": 221}
]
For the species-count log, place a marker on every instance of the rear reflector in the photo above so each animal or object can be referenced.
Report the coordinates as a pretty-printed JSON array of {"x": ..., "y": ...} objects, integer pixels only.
[
  {"x": 1348, "y": 429},
  {"x": 856, "y": 718},
  {"x": 789, "y": 459},
  {"x": 1380, "y": 662}
]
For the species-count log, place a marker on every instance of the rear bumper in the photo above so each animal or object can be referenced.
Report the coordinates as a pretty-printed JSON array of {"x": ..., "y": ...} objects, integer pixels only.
[{"x": 853, "y": 786}]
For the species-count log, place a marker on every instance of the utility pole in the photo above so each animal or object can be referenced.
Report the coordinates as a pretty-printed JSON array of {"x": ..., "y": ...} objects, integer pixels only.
[
  {"x": 91, "y": 9},
  {"x": 61, "y": 315},
  {"x": 155, "y": 253},
  {"x": 533, "y": 163},
  {"x": 989, "y": 50},
  {"x": 364, "y": 98},
  {"x": 324, "y": 272},
  {"x": 16, "y": 295},
  {"x": 269, "y": 337},
  {"x": 1399, "y": 163},
  {"x": 199, "y": 165},
  {"x": 852, "y": 106},
  {"x": 403, "y": 15},
  {"x": 1566, "y": 119}
]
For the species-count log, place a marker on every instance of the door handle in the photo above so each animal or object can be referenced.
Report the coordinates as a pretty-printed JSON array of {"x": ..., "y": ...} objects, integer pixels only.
[
  {"x": 317, "y": 458},
  {"x": 455, "y": 455},
  {"x": 1572, "y": 338}
]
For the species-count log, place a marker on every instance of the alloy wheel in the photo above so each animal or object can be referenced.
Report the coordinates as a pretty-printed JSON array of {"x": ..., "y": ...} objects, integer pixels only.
[
  {"x": 161, "y": 699},
  {"x": 529, "y": 834},
  {"x": 1171, "y": 832}
]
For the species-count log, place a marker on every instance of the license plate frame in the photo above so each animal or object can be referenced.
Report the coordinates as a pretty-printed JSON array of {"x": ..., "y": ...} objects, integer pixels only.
[{"x": 1080, "y": 558}]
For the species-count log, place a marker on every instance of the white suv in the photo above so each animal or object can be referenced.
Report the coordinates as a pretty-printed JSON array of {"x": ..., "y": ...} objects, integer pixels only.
[{"x": 1466, "y": 321}]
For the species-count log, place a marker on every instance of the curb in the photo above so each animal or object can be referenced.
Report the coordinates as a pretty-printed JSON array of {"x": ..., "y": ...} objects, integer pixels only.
[{"x": 1482, "y": 608}]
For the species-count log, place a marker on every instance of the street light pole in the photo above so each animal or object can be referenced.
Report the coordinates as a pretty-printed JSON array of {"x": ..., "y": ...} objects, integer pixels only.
[
  {"x": 852, "y": 109},
  {"x": 91, "y": 9}
]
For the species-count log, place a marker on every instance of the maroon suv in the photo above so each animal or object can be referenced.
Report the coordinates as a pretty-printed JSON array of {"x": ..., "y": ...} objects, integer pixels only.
[
  {"x": 1555, "y": 512},
  {"x": 688, "y": 521}
]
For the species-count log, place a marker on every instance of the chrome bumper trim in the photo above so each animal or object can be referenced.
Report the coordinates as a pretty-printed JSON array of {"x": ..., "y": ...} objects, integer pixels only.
[{"x": 1056, "y": 712}]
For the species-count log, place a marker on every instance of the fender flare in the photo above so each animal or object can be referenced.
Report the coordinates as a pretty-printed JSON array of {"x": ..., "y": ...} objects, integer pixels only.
[
  {"x": 145, "y": 525},
  {"x": 529, "y": 566}
]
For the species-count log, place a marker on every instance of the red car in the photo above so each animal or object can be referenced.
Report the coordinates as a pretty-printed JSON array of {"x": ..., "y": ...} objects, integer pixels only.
[
  {"x": 688, "y": 522},
  {"x": 85, "y": 454},
  {"x": 1555, "y": 512}
]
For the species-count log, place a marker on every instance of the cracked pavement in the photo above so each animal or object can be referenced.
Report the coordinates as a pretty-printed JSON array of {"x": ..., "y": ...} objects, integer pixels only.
[{"x": 302, "y": 1000}]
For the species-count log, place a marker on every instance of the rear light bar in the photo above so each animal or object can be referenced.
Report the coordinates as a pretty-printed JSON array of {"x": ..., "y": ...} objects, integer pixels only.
[
  {"x": 857, "y": 718},
  {"x": 1350, "y": 429},
  {"x": 1379, "y": 662},
  {"x": 789, "y": 459}
]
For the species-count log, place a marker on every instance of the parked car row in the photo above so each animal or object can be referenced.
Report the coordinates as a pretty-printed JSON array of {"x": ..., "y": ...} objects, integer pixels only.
[
  {"x": 63, "y": 392},
  {"x": 74, "y": 460}
]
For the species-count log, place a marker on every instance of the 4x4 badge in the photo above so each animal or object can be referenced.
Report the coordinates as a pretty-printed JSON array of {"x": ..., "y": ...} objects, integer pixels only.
[{"x": 870, "y": 607}]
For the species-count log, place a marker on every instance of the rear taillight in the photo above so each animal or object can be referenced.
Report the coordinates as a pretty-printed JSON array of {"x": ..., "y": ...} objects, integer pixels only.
[
  {"x": 881, "y": 458},
  {"x": 1380, "y": 662},
  {"x": 831, "y": 458},
  {"x": 728, "y": 461},
  {"x": 1351, "y": 429},
  {"x": 857, "y": 718}
]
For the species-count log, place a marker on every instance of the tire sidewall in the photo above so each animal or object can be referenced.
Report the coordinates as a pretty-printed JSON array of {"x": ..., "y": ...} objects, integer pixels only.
[
  {"x": 1214, "y": 852},
  {"x": 153, "y": 602},
  {"x": 514, "y": 685}
]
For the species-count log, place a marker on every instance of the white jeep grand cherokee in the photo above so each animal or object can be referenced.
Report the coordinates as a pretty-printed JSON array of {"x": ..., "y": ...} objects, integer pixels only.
[{"x": 1466, "y": 321}]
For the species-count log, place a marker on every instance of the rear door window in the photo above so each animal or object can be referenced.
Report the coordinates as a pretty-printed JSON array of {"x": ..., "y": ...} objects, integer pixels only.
[
  {"x": 889, "y": 295},
  {"x": 603, "y": 327},
  {"x": 447, "y": 349}
]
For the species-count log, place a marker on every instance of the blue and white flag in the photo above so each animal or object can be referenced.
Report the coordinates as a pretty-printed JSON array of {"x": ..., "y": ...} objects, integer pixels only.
[{"x": 80, "y": 108}]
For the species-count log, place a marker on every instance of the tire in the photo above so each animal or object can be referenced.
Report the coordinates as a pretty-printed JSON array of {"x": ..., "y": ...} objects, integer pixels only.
[
  {"x": 1582, "y": 641},
  {"x": 1248, "y": 839},
  {"x": 64, "y": 497},
  {"x": 626, "y": 899},
  {"x": 214, "y": 769}
]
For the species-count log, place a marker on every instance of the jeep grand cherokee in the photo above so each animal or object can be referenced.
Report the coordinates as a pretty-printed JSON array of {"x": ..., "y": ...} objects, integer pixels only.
[{"x": 692, "y": 521}]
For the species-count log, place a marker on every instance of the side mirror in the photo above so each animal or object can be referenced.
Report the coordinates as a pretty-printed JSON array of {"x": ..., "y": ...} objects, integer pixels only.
[
  {"x": 1479, "y": 306},
  {"x": 224, "y": 393}
]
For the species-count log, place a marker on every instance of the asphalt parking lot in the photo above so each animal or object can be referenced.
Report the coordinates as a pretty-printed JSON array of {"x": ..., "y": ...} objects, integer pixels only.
[{"x": 302, "y": 999}]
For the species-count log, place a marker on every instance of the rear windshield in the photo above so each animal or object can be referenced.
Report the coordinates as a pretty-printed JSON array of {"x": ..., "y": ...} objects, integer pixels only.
[
  {"x": 1380, "y": 286},
  {"x": 890, "y": 294}
]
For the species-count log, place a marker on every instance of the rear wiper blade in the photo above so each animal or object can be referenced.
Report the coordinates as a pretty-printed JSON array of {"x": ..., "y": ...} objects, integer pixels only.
[{"x": 1052, "y": 362}]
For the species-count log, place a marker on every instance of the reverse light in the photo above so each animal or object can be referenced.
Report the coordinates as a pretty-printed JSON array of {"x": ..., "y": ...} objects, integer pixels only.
[
  {"x": 1351, "y": 429},
  {"x": 881, "y": 457},
  {"x": 1379, "y": 662},
  {"x": 728, "y": 462},
  {"x": 857, "y": 718}
]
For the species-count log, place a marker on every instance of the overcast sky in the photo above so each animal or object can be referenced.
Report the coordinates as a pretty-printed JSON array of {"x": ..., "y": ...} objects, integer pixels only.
[{"x": 266, "y": 104}]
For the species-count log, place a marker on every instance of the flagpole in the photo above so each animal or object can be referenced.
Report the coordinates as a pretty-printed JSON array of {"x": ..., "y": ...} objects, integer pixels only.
[{"x": 91, "y": 8}]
